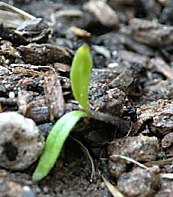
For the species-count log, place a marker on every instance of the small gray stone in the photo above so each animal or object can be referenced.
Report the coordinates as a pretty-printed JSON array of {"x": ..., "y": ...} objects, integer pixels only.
[{"x": 20, "y": 141}]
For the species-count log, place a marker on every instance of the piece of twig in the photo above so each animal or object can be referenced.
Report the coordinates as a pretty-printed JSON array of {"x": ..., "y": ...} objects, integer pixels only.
[
  {"x": 129, "y": 159},
  {"x": 86, "y": 151},
  {"x": 24, "y": 14},
  {"x": 113, "y": 190}
]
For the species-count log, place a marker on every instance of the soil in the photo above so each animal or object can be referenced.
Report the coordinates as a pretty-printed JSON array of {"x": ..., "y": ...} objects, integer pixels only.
[{"x": 126, "y": 147}]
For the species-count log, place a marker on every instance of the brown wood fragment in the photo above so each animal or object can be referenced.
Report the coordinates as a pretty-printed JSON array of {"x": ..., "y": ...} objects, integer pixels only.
[
  {"x": 97, "y": 8},
  {"x": 61, "y": 67},
  {"x": 135, "y": 58},
  {"x": 7, "y": 49},
  {"x": 28, "y": 69},
  {"x": 8, "y": 101},
  {"x": 151, "y": 33},
  {"x": 25, "y": 71},
  {"x": 123, "y": 81},
  {"x": 79, "y": 32},
  {"x": 159, "y": 65},
  {"x": 54, "y": 96},
  {"x": 38, "y": 110},
  {"x": 11, "y": 16},
  {"x": 44, "y": 54},
  {"x": 24, "y": 97},
  {"x": 160, "y": 163}
]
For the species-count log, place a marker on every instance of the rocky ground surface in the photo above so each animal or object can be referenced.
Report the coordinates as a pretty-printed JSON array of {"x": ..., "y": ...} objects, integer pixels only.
[{"x": 128, "y": 140}]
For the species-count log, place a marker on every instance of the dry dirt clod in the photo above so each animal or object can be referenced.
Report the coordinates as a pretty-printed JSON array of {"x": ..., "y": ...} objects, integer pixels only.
[
  {"x": 108, "y": 90},
  {"x": 158, "y": 115},
  {"x": 166, "y": 188},
  {"x": 140, "y": 148},
  {"x": 140, "y": 182},
  {"x": 20, "y": 141}
]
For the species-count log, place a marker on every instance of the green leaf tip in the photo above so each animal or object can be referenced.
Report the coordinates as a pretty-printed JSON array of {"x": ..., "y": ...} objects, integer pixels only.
[
  {"x": 55, "y": 142},
  {"x": 80, "y": 75}
]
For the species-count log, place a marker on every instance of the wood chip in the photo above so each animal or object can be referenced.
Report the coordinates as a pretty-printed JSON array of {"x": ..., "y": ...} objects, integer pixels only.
[
  {"x": 79, "y": 32},
  {"x": 11, "y": 16},
  {"x": 54, "y": 96},
  {"x": 97, "y": 8},
  {"x": 44, "y": 53}
]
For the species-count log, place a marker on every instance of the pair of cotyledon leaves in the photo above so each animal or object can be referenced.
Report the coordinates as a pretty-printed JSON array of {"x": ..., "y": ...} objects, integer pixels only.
[{"x": 80, "y": 77}]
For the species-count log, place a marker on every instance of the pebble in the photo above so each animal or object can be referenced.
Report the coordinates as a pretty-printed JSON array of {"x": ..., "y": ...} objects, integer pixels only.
[
  {"x": 166, "y": 188},
  {"x": 20, "y": 141},
  {"x": 157, "y": 115}
]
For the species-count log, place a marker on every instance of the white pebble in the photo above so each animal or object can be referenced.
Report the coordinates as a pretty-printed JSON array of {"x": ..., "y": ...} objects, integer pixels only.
[
  {"x": 11, "y": 95},
  {"x": 20, "y": 141}
]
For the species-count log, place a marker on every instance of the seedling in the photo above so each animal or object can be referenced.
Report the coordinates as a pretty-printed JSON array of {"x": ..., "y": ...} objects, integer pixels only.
[{"x": 80, "y": 77}]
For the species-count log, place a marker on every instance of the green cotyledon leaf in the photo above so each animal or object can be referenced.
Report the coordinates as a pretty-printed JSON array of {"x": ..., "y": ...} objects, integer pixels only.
[
  {"x": 54, "y": 143},
  {"x": 80, "y": 75}
]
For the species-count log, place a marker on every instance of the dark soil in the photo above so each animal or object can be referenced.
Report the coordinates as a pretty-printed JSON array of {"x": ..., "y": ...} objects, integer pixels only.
[{"x": 130, "y": 94}]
